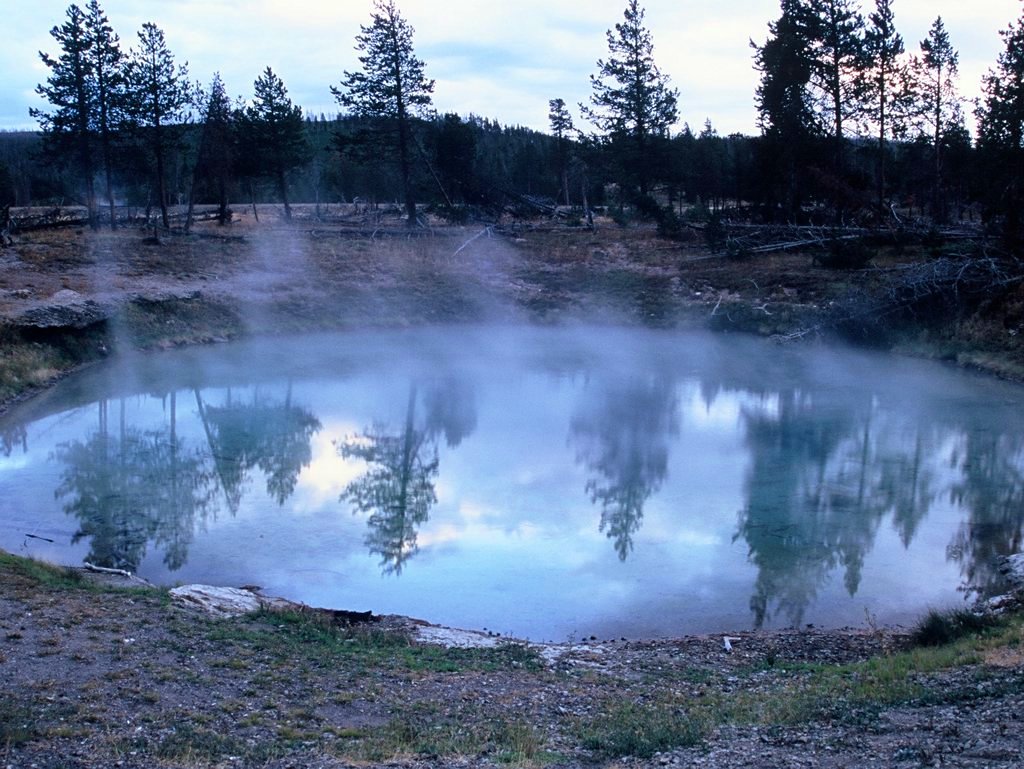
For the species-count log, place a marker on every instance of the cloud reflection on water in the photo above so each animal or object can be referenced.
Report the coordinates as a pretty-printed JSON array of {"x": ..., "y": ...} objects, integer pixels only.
[{"x": 572, "y": 478}]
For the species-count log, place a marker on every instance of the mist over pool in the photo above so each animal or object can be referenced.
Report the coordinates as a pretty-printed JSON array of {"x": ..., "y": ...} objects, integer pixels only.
[{"x": 547, "y": 483}]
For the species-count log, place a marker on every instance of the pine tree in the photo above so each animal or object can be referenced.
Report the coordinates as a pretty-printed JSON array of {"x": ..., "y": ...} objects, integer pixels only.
[
  {"x": 1001, "y": 131},
  {"x": 885, "y": 83},
  {"x": 837, "y": 53},
  {"x": 711, "y": 165},
  {"x": 935, "y": 73},
  {"x": 160, "y": 96},
  {"x": 632, "y": 102},
  {"x": 276, "y": 131},
  {"x": 784, "y": 104},
  {"x": 454, "y": 157},
  {"x": 215, "y": 159},
  {"x": 67, "y": 126},
  {"x": 561, "y": 126},
  {"x": 107, "y": 85},
  {"x": 391, "y": 87}
]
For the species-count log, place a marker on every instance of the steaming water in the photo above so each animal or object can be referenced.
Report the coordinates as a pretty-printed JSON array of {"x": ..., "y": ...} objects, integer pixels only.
[{"x": 546, "y": 483}]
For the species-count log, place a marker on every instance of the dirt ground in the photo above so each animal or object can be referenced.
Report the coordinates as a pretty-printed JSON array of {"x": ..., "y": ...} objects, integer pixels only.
[
  {"x": 312, "y": 273},
  {"x": 114, "y": 677},
  {"x": 101, "y": 676}
]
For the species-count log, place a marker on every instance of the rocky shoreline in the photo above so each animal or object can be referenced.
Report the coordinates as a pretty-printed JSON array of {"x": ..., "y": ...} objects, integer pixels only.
[{"x": 225, "y": 602}]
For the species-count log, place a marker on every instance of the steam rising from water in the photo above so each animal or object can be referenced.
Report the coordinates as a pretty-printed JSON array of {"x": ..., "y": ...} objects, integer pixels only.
[{"x": 540, "y": 481}]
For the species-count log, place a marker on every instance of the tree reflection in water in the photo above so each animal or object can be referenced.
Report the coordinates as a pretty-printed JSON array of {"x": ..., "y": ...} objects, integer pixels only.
[
  {"x": 11, "y": 436},
  {"x": 133, "y": 487},
  {"x": 824, "y": 475},
  {"x": 991, "y": 489},
  {"x": 622, "y": 435},
  {"x": 258, "y": 433},
  {"x": 397, "y": 490}
]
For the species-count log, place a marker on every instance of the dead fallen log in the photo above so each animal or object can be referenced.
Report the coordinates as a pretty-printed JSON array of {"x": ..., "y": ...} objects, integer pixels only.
[
  {"x": 373, "y": 233},
  {"x": 52, "y": 219},
  {"x": 106, "y": 570}
]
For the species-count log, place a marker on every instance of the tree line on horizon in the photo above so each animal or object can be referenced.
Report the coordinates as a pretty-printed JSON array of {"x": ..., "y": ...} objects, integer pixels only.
[{"x": 854, "y": 127}]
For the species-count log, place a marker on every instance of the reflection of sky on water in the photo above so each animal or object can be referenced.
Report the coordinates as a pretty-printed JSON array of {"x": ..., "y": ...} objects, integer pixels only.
[{"x": 609, "y": 483}]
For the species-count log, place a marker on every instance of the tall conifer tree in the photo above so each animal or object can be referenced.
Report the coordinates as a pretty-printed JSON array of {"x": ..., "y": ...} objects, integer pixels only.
[
  {"x": 784, "y": 104},
  {"x": 392, "y": 86},
  {"x": 276, "y": 132},
  {"x": 1001, "y": 131},
  {"x": 67, "y": 125},
  {"x": 107, "y": 85},
  {"x": 160, "y": 97},
  {"x": 631, "y": 101},
  {"x": 836, "y": 60},
  {"x": 561, "y": 126},
  {"x": 935, "y": 74},
  {"x": 885, "y": 83},
  {"x": 216, "y": 156}
]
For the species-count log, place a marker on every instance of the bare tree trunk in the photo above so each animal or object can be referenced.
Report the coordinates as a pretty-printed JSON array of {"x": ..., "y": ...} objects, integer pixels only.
[
  {"x": 252, "y": 196},
  {"x": 403, "y": 154},
  {"x": 223, "y": 215},
  {"x": 161, "y": 183},
  {"x": 108, "y": 173},
  {"x": 191, "y": 200},
  {"x": 282, "y": 188},
  {"x": 586, "y": 204}
]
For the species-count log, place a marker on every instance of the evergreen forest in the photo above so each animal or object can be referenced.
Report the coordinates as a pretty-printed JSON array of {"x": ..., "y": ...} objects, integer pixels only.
[{"x": 859, "y": 128}]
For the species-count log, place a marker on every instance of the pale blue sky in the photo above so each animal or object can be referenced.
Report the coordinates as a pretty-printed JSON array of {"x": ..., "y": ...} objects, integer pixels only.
[{"x": 499, "y": 60}]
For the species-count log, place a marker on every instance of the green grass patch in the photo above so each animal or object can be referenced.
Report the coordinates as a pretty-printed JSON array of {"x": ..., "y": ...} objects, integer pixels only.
[
  {"x": 850, "y": 691},
  {"x": 806, "y": 693},
  {"x": 427, "y": 733},
  {"x": 40, "y": 572},
  {"x": 149, "y": 324},
  {"x": 25, "y": 366},
  {"x": 197, "y": 743},
  {"x": 297, "y": 635},
  {"x": 17, "y": 723},
  {"x": 637, "y": 730},
  {"x": 54, "y": 577}
]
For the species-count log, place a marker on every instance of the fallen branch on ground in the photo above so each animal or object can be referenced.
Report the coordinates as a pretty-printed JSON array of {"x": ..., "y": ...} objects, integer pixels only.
[
  {"x": 105, "y": 570},
  {"x": 485, "y": 231}
]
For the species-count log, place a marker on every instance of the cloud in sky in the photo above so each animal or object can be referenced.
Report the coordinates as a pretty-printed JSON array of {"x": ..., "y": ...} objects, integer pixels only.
[{"x": 502, "y": 61}]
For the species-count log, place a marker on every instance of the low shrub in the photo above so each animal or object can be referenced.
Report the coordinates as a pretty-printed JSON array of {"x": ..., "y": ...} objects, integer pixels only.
[{"x": 938, "y": 628}]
